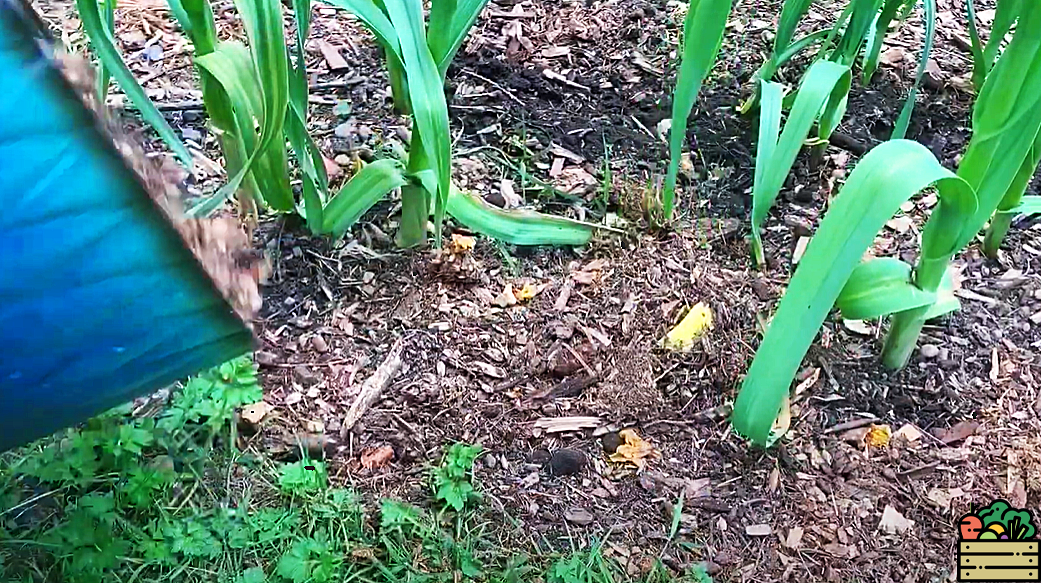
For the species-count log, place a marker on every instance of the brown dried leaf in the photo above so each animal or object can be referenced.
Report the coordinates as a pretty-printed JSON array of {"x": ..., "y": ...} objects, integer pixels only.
[
  {"x": 256, "y": 412},
  {"x": 634, "y": 450},
  {"x": 377, "y": 457}
]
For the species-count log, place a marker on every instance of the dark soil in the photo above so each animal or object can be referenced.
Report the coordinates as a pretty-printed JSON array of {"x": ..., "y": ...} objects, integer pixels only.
[{"x": 586, "y": 345}]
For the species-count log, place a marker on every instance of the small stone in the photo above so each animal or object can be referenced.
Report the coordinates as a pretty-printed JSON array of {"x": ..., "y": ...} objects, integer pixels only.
[
  {"x": 344, "y": 130},
  {"x": 306, "y": 376},
  {"x": 342, "y": 159},
  {"x": 648, "y": 483},
  {"x": 561, "y": 330},
  {"x": 319, "y": 344},
  {"x": 192, "y": 134},
  {"x": 578, "y": 516},
  {"x": 539, "y": 457},
  {"x": 154, "y": 53},
  {"x": 929, "y": 351},
  {"x": 611, "y": 441},
  {"x": 265, "y": 358},
  {"x": 800, "y": 227},
  {"x": 566, "y": 462}
]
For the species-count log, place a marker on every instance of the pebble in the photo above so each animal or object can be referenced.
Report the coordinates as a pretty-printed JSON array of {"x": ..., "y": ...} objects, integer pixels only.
[
  {"x": 539, "y": 456},
  {"x": 319, "y": 344},
  {"x": 578, "y": 516},
  {"x": 566, "y": 462},
  {"x": 929, "y": 351},
  {"x": 265, "y": 358},
  {"x": 192, "y": 134},
  {"x": 344, "y": 130},
  {"x": 610, "y": 442},
  {"x": 306, "y": 376}
]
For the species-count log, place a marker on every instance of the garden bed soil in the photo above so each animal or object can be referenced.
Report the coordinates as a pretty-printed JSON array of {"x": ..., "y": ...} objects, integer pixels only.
[{"x": 589, "y": 83}]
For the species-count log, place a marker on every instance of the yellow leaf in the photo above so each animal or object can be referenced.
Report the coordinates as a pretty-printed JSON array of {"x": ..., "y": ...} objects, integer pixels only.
[
  {"x": 461, "y": 244},
  {"x": 633, "y": 450},
  {"x": 527, "y": 292},
  {"x": 690, "y": 329},
  {"x": 878, "y": 436}
]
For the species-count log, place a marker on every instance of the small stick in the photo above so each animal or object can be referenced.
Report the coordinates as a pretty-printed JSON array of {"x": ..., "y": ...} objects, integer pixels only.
[
  {"x": 372, "y": 388},
  {"x": 854, "y": 424}
]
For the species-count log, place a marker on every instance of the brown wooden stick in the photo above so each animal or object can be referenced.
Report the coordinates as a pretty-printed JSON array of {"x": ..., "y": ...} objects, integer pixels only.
[{"x": 373, "y": 387}]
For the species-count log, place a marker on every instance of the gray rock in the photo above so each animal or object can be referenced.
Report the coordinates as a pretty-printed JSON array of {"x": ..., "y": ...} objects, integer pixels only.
[
  {"x": 929, "y": 351},
  {"x": 578, "y": 516}
]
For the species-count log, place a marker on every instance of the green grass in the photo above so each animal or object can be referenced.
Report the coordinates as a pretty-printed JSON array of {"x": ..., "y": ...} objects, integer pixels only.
[{"x": 163, "y": 497}]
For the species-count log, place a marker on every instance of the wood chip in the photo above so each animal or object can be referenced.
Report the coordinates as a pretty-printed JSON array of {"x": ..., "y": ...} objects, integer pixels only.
[
  {"x": 758, "y": 530},
  {"x": 332, "y": 56},
  {"x": 794, "y": 539},
  {"x": 561, "y": 424},
  {"x": 959, "y": 432},
  {"x": 553, "y": 75},
  {"x": 800, "y": 249}
]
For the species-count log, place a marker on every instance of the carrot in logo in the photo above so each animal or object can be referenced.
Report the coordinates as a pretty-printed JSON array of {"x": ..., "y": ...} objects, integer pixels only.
[{"x": 997, "y": 544}]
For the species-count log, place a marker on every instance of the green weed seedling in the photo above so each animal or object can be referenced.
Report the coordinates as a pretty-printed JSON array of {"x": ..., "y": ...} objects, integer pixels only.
[
  {"x": 451, "y": 479},
  {"x": 302, "y": 477}
]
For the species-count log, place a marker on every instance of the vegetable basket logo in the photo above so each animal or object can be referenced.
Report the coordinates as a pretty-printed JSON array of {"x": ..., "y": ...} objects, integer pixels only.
[{"x": 997, "y": 544}]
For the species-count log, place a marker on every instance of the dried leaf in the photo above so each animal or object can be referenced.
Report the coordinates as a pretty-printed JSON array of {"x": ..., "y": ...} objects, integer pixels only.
[
  {"x": 634, "y": 450},
  {"x": 591, "y": 273},
  {"x": 490, "y": 370},
  {"x": 256, "y": 412},
  {"x": 506, "y": 298},
  {"x": 529, "y": 291},
  {"x": 901, "y": 224},
  {"x": 959, "y": 431},
  {"x": 908, "y": 432},
  {"x": 794, "y": 539},
  {"x": 377, "y": 458},
  {"x": 461, "y": 244},
  {"x": 859, "y": 327},
  {"x": 893, "y": 56},
  {"x": 693, "y": 326},
  {"x": 878, "y": 436},
  {"x": 893, "y": 522}
]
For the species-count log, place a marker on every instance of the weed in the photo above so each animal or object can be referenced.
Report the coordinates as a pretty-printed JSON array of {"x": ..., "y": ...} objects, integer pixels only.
[
  {"x": 451, "y": 479},
  {"x": 302, "y": 477}
]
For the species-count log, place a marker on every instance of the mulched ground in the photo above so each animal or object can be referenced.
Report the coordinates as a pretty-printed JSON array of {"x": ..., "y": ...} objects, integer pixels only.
[{"x": 541, "y": 92}]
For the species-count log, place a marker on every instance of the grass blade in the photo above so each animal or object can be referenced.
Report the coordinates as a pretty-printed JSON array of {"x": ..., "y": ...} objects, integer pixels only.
[
  {"x": 1030, "y": 205},
  {"x": 361, "y": 192},
  {"x": 517, "y": 227},
  {"x": 900, "y": 129},
  {"x": 884, "y": 179},
  {"x": 702, "y": 36},
  {"x": 1002, "y": 219},
  {"x": 264, "y": 28},
  {"x": 979, "y": 65},
  {"x": 104, "y": 45}
]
